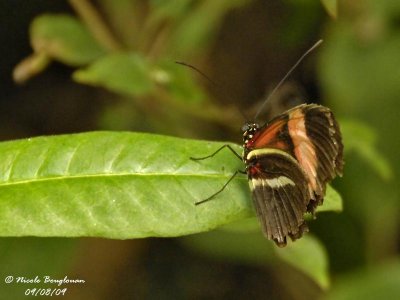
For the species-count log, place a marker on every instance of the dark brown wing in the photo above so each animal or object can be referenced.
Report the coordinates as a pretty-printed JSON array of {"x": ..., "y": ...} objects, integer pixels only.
[{"x": 280, "y": 193}]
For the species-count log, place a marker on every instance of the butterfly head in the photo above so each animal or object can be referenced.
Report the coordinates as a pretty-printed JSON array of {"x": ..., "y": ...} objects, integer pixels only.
[{"x": 249, "y": 130}]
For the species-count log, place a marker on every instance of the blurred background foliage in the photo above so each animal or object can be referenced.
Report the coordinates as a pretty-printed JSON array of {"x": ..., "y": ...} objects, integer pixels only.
[{"x": 105, "y": 64}]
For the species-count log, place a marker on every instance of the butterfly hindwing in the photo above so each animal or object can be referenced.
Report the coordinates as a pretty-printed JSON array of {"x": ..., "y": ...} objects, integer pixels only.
[{"x": 280, "y": 193}]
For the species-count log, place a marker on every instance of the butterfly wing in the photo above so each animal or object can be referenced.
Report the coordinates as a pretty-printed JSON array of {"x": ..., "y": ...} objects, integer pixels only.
[
  {"x": 317, "y": 146},
  {"x": 289, "y": 162},
  {"x": 309, "y": 133},
  {"x": 280, "y": 193}
]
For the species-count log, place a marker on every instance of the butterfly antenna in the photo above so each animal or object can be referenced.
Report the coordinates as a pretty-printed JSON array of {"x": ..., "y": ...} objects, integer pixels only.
[
  {"x": 210, "y": 80},
  {"x": 286, "y": 76},
  {"x": 198, "y": 71}
]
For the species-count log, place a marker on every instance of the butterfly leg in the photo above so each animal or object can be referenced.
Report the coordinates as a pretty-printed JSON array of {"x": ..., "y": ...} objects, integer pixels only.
[
  {"x": 211, "y": 155},
  {"x": 220, "y": 190}
]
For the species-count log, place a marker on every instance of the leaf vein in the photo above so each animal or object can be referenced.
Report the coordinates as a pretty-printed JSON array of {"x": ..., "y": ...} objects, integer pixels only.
[
  {"x": 42, "y": 163},
  {"x": 11, "y": 170},
  {"x": 72, "y": 155}
]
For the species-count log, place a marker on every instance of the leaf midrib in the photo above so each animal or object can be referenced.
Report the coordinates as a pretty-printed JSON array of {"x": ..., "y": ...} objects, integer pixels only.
[{"x": 57, "y": 178}]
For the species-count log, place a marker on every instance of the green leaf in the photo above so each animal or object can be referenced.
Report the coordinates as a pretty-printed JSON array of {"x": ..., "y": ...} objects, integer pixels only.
[
  {"x": 332, "y": 201},
  {"x": 308, "y": 255},
  {"x": 362, "y": 139},
  {"x": 330, "y": 7},
  {"x": 126, "y": 73},
  {"x": 248, "y": 248},
  {"x": 176, "y": 80},
  {"x": 378, "y": 282},
  {"x": 117, "y": 185},
  {"x": 245, "y": 225},
  {"x": 64, "y": 38}
]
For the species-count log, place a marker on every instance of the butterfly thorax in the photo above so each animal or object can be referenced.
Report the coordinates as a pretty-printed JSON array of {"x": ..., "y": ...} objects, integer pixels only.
[{"x": 250, "y": 131}]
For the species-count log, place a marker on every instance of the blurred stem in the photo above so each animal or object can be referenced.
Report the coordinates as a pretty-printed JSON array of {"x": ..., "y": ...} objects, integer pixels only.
[
  {"x": 156, "y": 48},
  {"x": 95, "y": 24},
  {"x": 150, "y": 32},
  {"x": 30, "y": 66}
]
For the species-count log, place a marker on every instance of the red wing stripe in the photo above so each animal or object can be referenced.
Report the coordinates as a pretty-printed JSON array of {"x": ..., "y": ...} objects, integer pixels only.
[{"x": 268, "y": 135}]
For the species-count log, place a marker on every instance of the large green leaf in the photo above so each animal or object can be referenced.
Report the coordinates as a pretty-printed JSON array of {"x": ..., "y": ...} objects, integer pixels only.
[{"x": 117, "y": 185}]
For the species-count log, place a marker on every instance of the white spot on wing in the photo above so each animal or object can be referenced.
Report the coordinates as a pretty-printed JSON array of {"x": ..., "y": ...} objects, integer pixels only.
[
  {"x": 256, "y": 153},
  {"x": 273, "y": 182}
]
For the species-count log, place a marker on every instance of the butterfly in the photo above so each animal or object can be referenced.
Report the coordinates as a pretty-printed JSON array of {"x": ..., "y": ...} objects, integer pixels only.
[{"x": 289, "y": 162}]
